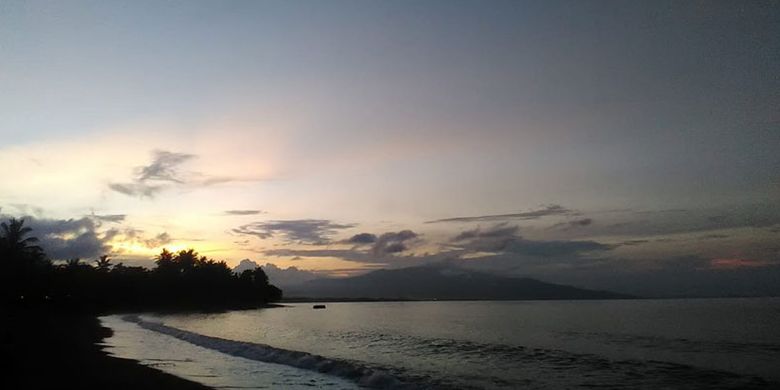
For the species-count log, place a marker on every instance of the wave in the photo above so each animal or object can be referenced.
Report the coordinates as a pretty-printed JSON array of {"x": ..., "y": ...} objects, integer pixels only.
[
  {"x": 500, "y": 365},
  {"x": 361, "y": 374}
]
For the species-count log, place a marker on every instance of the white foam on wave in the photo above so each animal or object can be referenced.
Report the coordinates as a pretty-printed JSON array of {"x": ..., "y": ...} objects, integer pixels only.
[{"x": 362, "y": 375}]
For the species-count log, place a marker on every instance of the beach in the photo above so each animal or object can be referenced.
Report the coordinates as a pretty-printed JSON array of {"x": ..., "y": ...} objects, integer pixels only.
[{"x": 62, "y": 350}]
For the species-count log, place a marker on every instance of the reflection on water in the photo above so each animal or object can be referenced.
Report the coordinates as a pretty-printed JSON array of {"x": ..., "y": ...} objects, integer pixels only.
[{"x": 728, "y": 343}]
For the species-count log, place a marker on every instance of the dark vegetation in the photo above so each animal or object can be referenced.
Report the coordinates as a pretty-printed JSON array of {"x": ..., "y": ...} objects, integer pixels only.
[{"x": 180, "y": 281}]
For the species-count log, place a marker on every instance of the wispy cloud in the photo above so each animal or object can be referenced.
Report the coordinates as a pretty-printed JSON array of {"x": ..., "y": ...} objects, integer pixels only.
[
  {"x": 113, "y": 218},
  {"x": 361, "y": 239},
  {"x": 503, "y": 238},
  {"x": 307, "y": 231},
  {"x": 166, "y": 171},
  {"x": 156, "y": 176},
  {"x": 573, "y": 224},
  {"x": 158, "y": 240},
  {"x": 551, "y": 210},
  {"x": 164, "y": 167},
  {"x": 243, "y": 212}
]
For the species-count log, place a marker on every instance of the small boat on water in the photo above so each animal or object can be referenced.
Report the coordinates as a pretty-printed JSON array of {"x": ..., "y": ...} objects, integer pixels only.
[{"x": 318, "y": 307}]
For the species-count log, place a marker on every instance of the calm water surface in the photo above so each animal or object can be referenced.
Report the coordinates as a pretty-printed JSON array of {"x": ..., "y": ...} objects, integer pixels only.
[{"x": 673, "y": 344}]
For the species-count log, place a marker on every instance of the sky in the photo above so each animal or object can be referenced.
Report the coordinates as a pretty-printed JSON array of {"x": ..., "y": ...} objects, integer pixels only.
[{"x": 607, "y": 144}]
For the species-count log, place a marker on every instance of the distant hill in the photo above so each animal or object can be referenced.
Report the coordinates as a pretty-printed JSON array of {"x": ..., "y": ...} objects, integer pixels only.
[{"x": 442, "y": 283}]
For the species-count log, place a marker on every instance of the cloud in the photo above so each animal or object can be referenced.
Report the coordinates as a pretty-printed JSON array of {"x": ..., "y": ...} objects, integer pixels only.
[
  {"x": 714, "y": 236},
  {"x": 389, "y": 260},
  {"x": 158, "y": 240},
  {"x": 729, "y": 263},
  {"x": 554, "y": 248},
  {"x": 386, "y": 243},
  {"x": 683, "y": 221},
  {"x": 68, "y": 238},
  {"x": 369, "y": 249},
  {"x": 392, "y": 242},
  {"x": 633, "y": 242},
  {"x": 551, "y": 210},
  {"x": 245, "y": 265},
  {"x": 26, "y": 209},
  {"x": 573, "y": 224},
  {"x": 497, "y": 231},
  {"x": 164, "y": 172},
  {"x": 136, "y": 189},
  {"x": 361, "y": 239},
  {"x": 504, "y": 238},
  {"x": 164, "y": 167},
  {"x": 156, "y": 176},
  {"x": 281, "y": 277},
  {"x": 308, "y": 231},
  {"x": 113, "y": 218},
  {"x": 243, "y": 212}
]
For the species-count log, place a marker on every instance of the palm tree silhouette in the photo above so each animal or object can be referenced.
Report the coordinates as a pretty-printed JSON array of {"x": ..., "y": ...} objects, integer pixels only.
[
  {"x": 103, "y": 263},
  {"x": 14, "y": 244},
  {"x": 73, "y": 263}
]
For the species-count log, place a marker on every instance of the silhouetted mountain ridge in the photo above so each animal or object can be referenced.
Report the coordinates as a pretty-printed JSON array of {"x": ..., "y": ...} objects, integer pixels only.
[{"x": 441, "y": 282}]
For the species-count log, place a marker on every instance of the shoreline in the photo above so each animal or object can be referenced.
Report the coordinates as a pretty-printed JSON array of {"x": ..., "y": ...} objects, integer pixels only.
[{"x": 62, "y": 350}]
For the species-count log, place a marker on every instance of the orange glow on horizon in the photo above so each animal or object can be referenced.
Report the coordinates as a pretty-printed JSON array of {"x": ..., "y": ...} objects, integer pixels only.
[{"x": 737, "y": 263}]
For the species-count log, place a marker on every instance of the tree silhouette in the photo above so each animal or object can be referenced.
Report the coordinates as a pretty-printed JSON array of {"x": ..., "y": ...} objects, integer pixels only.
[
  {"x": 14, "y": 244},
  {"x": 181, "y": 280},
  {"x": 25, "y": 268},
  {"x": 103, "y": 263},
  {"x": 73, "y": 263}
]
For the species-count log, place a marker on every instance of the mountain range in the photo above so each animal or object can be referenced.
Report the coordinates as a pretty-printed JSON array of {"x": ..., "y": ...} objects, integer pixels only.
[{"x": 439, "y": 282}]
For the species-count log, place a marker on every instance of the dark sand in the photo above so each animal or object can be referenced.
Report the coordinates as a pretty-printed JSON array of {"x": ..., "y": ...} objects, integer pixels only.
[{"x": 53, "y": 351}]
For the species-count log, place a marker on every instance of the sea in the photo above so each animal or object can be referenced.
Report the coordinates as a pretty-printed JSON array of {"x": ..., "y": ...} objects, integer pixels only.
[{"x": 611, "y": 344}]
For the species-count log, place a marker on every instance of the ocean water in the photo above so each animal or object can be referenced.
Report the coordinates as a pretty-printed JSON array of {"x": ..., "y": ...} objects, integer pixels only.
[{"x": 626, "y": 344}]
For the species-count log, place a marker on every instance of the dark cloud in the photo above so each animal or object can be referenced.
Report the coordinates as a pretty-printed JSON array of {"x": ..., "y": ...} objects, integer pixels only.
[
  {"x": 493, "y": 239},
  {"x": 633, "y": 242},
  {"x": 714, "y": 236},
  {"x": 394, "y": 247},
  {"x": 392, "y": 242},
  {"x": 663, "y": 211},
  {"x": 573, "y": 224},
  {"x": 243, "y": 212},
  {"x": 500, "y": 230},
  {"x": 308, "y": 231},
  {"x": 554, "y": 248},
  {"x": 361, "y": 239},
  {"x": 504, "y": 238},
  {"x": 110, "y": 234},
  {"x": 551, "y": 210},
  {"x": 368, "y": 249},
  {"x": 64, "y": 239},
  {"x": 682, "y": 221}
]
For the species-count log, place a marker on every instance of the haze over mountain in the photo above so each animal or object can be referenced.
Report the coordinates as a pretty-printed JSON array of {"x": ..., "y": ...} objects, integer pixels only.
[{"x": 442, "y": 282}]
